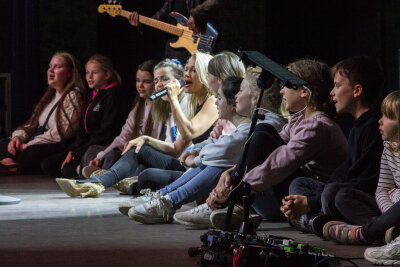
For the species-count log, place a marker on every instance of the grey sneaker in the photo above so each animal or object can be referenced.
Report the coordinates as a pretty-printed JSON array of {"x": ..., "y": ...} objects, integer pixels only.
[
  {"x": 88, "y": 170},
  {"x": 386, "y": 255},
  {"x": 148, "y": 195},
  {"x": 217, "y": 219},
  {"x": 198, "y": 217},
  {"x": 154, "y": 211}
]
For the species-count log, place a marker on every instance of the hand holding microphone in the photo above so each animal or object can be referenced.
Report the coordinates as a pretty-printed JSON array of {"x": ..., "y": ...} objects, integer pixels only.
[{"x": 174, "y": 90}]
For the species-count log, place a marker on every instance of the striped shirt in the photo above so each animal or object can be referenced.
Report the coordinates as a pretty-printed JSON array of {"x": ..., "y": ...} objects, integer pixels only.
[{"x": 388, "y": 190}]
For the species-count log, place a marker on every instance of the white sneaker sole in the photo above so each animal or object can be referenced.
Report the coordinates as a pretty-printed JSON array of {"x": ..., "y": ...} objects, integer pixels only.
[
  {"x": 382, "y": 261},
  {"x": 193, "y": 225},
  {"x": 144, "y": 219}
]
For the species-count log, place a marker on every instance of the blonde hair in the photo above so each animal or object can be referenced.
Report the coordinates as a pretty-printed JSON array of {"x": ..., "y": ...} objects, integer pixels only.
[
  {"x": 390, "y": 109},
  {"x": 272, "y": 98},
  {"x": 390, "y": 106},
  {"x": 201, "y": 66},
  {"x": 226, "y": 64},
  {"x": 106, "y": 64}
]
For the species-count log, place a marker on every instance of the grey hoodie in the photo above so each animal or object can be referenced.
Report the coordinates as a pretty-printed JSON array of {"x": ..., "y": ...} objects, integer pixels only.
[{"x": 226, "y": 150}]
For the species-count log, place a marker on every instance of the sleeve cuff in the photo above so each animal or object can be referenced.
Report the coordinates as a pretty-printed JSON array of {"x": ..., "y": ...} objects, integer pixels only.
[{"x": 197, "y": 161}]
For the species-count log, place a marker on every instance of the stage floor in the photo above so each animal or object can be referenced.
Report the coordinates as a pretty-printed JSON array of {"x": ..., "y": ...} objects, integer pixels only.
[{"x": 48, "y": 228}]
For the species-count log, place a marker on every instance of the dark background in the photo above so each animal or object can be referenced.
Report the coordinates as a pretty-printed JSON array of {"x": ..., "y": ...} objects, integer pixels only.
[{"x": 33, "y": 30}]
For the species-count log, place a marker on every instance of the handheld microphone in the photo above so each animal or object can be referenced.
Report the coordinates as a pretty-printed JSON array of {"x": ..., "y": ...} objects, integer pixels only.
[{"x": 164, "y": 91}]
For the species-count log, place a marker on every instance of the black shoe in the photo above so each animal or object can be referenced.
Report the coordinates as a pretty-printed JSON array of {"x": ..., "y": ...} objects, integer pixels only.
[{"x": 317, "y": 222}]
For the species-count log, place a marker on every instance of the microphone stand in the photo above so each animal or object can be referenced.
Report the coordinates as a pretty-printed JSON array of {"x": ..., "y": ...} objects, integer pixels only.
[
  {"x": 270, "y": 71},
  {"x": 243, "y": 189}
]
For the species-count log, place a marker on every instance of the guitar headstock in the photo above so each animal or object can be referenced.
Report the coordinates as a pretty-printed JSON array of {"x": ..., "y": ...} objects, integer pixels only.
[{"x": 112, "y": 10}]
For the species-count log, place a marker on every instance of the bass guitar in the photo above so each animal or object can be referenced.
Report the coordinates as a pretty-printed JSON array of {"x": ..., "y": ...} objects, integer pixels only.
[{"x": 186, "y": 38}]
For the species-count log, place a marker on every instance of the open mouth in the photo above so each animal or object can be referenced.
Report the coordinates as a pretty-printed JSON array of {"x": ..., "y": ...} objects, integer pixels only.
[{"x": 188, "y": 83}]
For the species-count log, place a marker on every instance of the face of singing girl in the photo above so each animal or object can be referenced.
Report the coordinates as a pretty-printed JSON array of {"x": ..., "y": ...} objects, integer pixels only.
[
  {"x": 144, "y": 84},
  {"x": 96, "y": 77},
  {"x": 389, "y": 129},
  {"x": 245, "y": 100},
  {"x": 192, "y": 82},
  {"x": 58, "y": 73},
  {"x": 163, "y": 76},
  {"x": 225, "y": 110}
]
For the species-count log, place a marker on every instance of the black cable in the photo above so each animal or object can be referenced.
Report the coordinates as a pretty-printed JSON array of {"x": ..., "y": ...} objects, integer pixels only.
[{"x": 338, "y": 258}]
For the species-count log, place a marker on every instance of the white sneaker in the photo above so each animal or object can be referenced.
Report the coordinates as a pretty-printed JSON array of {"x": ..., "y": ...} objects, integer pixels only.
[
  {"x": 217, "y": 219},
  {"x": 388, "y": 254},
  {"x": 198, "y": 217},
  {"x": 154, "y": 211},
  {"x": 148, "y": 195}
]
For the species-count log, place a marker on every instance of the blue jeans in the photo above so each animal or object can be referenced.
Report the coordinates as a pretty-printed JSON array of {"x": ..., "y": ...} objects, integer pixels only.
[
  {"x": 156, "y": 178},
  {"x": 195, "y": 183},
  {"x": 128, "y": 164}
]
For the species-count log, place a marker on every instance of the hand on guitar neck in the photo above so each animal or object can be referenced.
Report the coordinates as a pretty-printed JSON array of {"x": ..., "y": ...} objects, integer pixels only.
[
  {"x": 134, "y": 21},
  {"x": 186, "y": 30}
]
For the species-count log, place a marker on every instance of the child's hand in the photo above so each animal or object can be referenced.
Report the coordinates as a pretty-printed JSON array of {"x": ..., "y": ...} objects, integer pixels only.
[{"x": 294, "y": 206}]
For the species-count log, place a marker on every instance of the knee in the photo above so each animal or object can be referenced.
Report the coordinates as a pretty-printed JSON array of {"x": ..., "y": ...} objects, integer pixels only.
[
  {"x": 145, "y": 176},
  {"x": 329, "y": 192},
  {"x": 340, "y": 198},
  {"x": 296, "y": 185}
]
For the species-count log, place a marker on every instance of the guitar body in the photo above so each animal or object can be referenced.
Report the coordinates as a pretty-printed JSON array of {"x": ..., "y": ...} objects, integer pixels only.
[
  {"x": 186, "y": 38},
  {"x": 191, "y": 41},
  {"x": 188, "y": 43}
]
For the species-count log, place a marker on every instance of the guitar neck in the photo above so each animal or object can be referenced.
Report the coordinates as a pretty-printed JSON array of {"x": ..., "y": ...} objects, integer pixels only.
[{"x": 156, "y": 24}]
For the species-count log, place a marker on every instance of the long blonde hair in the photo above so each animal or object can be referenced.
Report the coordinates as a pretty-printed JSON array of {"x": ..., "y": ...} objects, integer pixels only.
[
  {"x": 226, "y": 64},
  {"x": 201, "y": 66}
]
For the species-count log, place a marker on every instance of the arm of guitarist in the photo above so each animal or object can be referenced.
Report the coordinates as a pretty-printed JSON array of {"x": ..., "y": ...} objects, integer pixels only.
[{"x": 161, "y": 14}]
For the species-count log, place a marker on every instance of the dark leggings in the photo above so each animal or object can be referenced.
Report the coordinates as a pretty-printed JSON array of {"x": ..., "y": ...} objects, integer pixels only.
[
  {"x": 374, "y": 229},
  {"x": 31, "y": 158},
  {"x": 348, "y": 204}
]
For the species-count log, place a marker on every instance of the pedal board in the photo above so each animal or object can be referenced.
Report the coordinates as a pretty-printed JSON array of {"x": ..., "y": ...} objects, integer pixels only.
[{"x": 222, "y": 248}]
